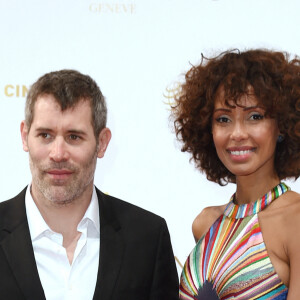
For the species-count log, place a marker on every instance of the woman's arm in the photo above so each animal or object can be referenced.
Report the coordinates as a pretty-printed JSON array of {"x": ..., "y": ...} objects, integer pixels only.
[
  {"x": 205, "y": 220},
  {"x": 293, "y": 247}
]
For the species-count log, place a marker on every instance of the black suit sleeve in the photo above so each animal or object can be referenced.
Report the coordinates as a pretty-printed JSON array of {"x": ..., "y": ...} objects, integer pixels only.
[{"x": 165, "y": 278}]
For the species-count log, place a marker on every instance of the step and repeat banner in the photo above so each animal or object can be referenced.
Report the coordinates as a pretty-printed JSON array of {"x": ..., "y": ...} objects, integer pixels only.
[{"x": 137, "y": 51}]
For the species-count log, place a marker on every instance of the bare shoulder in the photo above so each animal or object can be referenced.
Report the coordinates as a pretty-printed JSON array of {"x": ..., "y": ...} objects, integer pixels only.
[
  {"x": 289, "y": 205},
  {"x": 284, "y": 219},
  {"x": 205, "y": 220},
  {"x": 291, "y": 210},
  {"x": 291, "y": 216},
  {"x": 285, "y": 211}
]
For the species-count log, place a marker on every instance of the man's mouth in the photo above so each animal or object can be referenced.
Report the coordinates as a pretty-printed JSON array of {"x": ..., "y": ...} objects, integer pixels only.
[{"x": 59, "y": 174}]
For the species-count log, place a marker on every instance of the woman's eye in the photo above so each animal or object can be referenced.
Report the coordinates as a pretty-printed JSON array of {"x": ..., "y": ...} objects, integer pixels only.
[
  {"x": 256, "y": 117},
  {"x": 222, "y": 119}
]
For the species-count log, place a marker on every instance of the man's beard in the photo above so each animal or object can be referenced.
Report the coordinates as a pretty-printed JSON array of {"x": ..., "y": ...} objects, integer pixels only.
[{"x": 59, "y": 192}]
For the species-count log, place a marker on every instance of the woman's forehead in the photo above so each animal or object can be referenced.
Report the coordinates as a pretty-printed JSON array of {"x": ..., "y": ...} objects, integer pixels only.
[{"x": 244, "y": 100}]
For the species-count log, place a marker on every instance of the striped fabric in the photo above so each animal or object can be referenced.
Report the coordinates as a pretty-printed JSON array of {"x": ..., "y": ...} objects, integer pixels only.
[{"x": 231, "y": 261}]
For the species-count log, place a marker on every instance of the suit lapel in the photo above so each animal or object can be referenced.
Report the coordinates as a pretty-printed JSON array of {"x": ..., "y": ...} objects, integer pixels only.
[
  {"x": 111, "y": 249},
  {"x": 17, "y": 247}
]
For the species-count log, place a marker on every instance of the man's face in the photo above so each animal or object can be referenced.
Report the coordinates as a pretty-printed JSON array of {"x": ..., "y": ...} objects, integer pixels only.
[{"x": 62, "y": 151}]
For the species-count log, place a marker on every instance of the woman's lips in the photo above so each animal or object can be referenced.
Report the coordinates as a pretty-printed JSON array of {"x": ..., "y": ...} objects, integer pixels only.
[{"x": 240, "y": 154}]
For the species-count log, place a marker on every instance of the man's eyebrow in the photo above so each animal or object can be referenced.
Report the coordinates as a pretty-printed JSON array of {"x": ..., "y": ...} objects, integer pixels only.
[
  {"x": 77, "y": 131},
  {"x": 43, "y": 129},
  {"x": 74, "y": 131}
]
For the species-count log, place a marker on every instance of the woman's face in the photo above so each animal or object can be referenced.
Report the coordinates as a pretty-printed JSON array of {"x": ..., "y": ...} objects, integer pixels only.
[{"x": 244, "y": 138}]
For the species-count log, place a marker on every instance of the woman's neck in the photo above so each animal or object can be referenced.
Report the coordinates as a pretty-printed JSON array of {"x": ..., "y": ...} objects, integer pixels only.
[{"x": 250, "y": 188}]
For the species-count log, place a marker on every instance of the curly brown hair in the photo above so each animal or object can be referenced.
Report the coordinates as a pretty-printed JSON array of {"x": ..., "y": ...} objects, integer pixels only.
[{"x": 275, "y": 79}]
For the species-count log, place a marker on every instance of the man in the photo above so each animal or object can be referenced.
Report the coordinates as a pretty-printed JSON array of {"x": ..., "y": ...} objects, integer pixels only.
[{"x": 62, "y": 238}]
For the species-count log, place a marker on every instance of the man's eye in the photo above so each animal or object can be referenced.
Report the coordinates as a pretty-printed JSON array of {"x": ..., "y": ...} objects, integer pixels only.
[
  {"x": 44, "y": 135},
  {"x": 74, "y": 137}
]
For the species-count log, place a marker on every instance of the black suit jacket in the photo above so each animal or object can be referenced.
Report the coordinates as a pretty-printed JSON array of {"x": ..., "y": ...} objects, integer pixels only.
[{"x": 136, "y": 258}]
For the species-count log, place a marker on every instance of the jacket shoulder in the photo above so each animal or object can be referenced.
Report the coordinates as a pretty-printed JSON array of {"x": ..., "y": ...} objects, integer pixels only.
[
  {"x": 13, "y": 211},
  {"x": 127, "y": 213}
]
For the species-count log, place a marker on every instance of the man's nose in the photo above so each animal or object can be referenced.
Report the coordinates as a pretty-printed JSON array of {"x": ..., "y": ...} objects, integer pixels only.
[{"x": 59, "y": 150}]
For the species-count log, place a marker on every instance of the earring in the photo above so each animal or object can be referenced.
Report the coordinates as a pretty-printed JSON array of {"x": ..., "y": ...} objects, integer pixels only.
[{"x": 280, "y": 138}]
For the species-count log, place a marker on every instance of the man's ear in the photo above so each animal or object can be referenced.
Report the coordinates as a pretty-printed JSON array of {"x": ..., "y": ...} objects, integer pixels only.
[
  {"x": 103, "y": 141},
  {"x": 24, "y": 135}
]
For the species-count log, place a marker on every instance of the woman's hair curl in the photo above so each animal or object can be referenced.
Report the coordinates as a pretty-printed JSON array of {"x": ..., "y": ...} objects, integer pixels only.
[{"x": 275, "y": 81}]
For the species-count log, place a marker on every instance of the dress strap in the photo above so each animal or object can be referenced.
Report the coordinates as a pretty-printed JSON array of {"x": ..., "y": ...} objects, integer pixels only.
[{"x": 235, "y": 211}]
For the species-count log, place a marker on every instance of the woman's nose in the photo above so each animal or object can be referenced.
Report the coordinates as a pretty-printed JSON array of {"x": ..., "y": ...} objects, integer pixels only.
[{"x": 239, "y": 131}]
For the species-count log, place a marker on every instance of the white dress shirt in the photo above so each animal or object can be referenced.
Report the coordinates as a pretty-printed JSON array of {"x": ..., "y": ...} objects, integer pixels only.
[{"x": 60, "y": 280}]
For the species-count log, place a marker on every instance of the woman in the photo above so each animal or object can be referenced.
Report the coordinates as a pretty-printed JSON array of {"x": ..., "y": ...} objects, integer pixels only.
[{"x": 239, "y": 116}]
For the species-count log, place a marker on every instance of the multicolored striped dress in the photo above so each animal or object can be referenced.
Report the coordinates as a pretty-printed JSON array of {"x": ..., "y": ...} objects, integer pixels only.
[{"x": 231, "y": 260}]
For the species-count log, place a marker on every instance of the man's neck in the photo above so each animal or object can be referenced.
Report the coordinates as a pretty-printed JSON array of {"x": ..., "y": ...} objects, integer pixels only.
[{"x": 63, "y": 218}]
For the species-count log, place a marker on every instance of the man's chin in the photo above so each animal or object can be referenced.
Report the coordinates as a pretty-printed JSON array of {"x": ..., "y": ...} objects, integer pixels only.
[
  {"x": 61, "y": 202},
  {"x": 58, "y": 183},
  {"x": 59, "y": 195}
]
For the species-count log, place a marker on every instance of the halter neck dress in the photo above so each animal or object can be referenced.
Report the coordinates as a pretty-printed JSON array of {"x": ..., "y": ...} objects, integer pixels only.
[{"x": 231, "y": 260}]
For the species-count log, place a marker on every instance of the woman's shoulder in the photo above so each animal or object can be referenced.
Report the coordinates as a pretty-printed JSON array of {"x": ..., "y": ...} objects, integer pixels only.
[
  {"x": 283, "y": 216},
  {"x": 293, "y": 196},
  {"x": 290, "y": 203},
  {"x": 291, "y": 216},
  {"x": 205, "y": 220},
  {"x": 285, "y": 210}
]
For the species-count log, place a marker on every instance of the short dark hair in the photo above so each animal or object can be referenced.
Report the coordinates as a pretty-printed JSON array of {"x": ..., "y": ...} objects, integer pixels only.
[
  {"x": 275, "y": 79},
  {"x": 68, "y": 88}
]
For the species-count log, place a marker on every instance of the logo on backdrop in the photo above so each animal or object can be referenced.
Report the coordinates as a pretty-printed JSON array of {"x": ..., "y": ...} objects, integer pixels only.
[
  {"x": 118, "y": 8},
  {"x": 15, "y": 90},
  {"x": 171, "y": 91}
]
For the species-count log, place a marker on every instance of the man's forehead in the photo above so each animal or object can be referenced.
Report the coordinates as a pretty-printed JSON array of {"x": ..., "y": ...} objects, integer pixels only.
[
  {"x": 62, "y": 105},
  {"x": 47, "y": 107}
]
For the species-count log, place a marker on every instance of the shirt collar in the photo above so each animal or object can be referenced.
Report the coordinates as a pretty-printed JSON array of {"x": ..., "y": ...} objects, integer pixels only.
[
  {"x": 37, "y": 224},
  {"x": 92, "y": 212}
]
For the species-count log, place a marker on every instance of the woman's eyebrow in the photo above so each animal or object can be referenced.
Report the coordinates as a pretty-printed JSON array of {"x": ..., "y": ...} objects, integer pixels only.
[
  {"x": 222, "y": 109},
  {"x": 251, "y": 107},
  {"x": 244, "y": 108}
]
